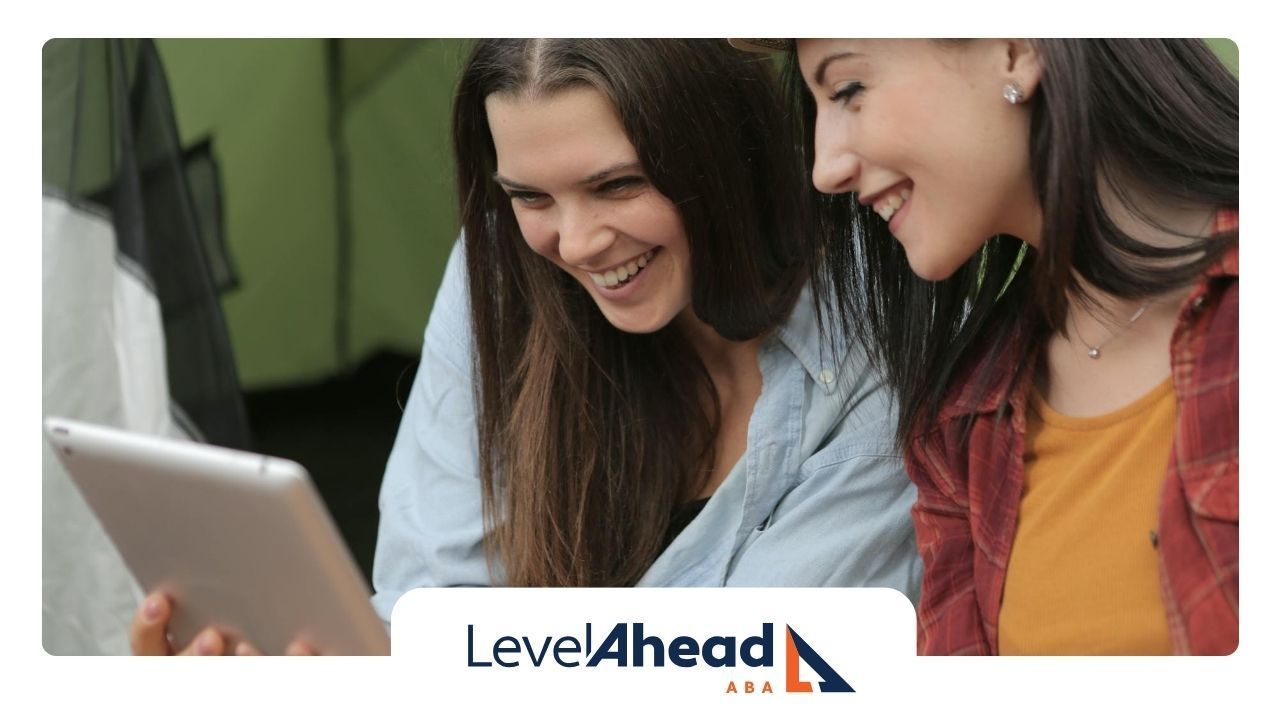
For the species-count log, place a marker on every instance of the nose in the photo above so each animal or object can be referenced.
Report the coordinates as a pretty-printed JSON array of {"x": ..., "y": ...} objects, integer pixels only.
[
  {"x": 583, "y": 235},
  {"x": 835, "y": 165}
]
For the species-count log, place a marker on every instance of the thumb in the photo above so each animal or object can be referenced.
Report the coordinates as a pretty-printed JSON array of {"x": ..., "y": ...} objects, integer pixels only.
[{"x": 149, "y": 630}]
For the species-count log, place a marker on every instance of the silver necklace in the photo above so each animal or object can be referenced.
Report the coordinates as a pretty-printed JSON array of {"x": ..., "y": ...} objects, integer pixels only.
[{"x": 1095, "y": 351}]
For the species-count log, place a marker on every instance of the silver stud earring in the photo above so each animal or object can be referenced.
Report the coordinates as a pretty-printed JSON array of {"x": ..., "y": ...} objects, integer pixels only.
[{"x": 1013, "y": 93}]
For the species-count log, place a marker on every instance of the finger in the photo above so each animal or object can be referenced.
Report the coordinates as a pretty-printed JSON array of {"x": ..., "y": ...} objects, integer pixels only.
[
  {"x": 148, "y": 632},
  {"x": 300, "y": 647},
  {"x": 244, "y": 648},
  {"x": 208, "y": 642}
]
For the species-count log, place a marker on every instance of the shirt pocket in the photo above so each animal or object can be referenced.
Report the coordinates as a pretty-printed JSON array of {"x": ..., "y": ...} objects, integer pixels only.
[{"x": 840, "y": 453}]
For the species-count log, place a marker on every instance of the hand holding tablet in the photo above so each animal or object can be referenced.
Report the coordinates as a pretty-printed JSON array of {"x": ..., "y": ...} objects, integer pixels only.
[
  {"x": 149, "y": 635},
  {"x": 231, "y": 543}
]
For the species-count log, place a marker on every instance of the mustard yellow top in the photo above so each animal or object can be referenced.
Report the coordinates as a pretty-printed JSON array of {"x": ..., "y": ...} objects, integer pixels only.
[{"x": 1083, "y": 577}]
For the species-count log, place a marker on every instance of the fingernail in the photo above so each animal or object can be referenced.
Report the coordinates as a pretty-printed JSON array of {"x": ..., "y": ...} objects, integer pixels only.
[
  {"x": 207, "y": 643},
  {"x": 152, "y": 608}
]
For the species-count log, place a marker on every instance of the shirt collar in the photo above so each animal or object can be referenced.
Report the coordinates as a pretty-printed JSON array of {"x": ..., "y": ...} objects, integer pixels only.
[
  {"x": 1228, "y": 220},
  {"x": 800, "y": 335},
  {"x": 969, "y": 398}
]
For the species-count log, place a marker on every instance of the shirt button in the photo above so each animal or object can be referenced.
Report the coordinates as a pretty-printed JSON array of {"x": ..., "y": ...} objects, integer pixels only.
[{"x": 826, "y": 376}]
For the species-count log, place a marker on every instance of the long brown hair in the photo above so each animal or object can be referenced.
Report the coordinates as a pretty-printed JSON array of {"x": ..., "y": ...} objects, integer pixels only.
[
  {"x": 589, "y": 436},
  {"x": 1160, "y": 116}
]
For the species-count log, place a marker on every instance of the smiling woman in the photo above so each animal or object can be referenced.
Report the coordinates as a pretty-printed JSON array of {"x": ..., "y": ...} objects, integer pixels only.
[
  {"x": 944, "y": 181},
  {"x": 591, "y": 210},
  {"x": 1042, "y": 245},
  {"x": 636, "y": 256},
  {"x": 635, "y": 250}
]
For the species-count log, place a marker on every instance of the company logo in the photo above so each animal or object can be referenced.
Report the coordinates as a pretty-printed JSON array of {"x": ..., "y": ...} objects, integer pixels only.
[
  {"x": 797, "y": 650},
  {"x": 628, "y": 645}
]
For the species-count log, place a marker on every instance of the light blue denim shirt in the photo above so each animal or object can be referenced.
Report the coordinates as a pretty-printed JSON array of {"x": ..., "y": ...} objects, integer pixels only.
[{"x": 818, "y": 498}]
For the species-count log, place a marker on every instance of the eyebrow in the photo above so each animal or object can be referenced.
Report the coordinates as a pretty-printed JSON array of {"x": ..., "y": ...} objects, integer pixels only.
[
  {"x": 631, "y": 166},
  {"x": 819, "y": 76}
]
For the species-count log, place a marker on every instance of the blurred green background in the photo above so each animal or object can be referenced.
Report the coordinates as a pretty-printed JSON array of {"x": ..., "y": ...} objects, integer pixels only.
[
  {"x": 1227, "y": 51},
  {"x": 337, "y": 191}
]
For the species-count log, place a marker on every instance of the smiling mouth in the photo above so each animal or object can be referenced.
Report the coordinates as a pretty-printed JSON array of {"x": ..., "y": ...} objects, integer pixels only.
[
  {"x": 624, "y": 274},
  {"x": 891, "y": 202}
]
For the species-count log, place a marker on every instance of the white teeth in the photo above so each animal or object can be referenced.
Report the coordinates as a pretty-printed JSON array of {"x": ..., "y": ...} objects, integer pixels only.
[
  {"x": 890, "y": 205},
  {"x": 619, "y": 274}
]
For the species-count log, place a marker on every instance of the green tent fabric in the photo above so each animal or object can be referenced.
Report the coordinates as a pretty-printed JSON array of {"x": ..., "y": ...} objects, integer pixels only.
[
  {"x": 1227, "y": 50},
  {"x": 337, "y": 191}
]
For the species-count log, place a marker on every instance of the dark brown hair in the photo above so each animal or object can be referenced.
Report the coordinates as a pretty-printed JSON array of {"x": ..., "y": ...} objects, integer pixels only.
[
  {"x": 590, "y": 436},
  {"x": 1159, "y": 117}
]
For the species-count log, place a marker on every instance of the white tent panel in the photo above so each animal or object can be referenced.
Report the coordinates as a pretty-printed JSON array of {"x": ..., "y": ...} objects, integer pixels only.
[{"x": 104, "y": 362}]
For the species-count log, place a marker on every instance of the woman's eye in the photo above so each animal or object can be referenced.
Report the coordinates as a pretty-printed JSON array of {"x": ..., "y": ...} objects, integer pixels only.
[
  {"x": 523, "y": 197},
  {"x": 846, "y": 92},
  {"x": 621, "y": 186}
]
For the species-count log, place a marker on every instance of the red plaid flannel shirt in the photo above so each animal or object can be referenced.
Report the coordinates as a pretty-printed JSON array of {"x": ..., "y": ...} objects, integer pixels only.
[{"x": 970, "y": 486}]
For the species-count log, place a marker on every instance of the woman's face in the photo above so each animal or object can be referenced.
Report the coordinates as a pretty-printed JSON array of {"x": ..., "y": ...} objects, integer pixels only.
[
  {"x": 584, "y": 203},
  {"x": 920, "y": 131}
]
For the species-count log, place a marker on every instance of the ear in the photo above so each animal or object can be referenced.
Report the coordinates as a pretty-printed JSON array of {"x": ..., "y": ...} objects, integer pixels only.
[{"x": 1022, "y": 64}]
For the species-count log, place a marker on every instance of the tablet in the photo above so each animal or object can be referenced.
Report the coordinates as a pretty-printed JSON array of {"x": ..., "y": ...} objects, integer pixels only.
[{"x": 240, "y": 541}]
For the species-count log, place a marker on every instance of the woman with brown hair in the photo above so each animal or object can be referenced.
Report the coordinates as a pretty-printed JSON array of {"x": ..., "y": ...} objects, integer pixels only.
[
  {"x": 653, "y": 404},
  {"x": 624, "y": 380},
  {"x": 1045, "y": 258}
]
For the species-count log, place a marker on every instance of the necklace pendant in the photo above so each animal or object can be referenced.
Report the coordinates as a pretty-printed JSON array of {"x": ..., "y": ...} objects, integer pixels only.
[{"x": 1095, "y": 353}]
